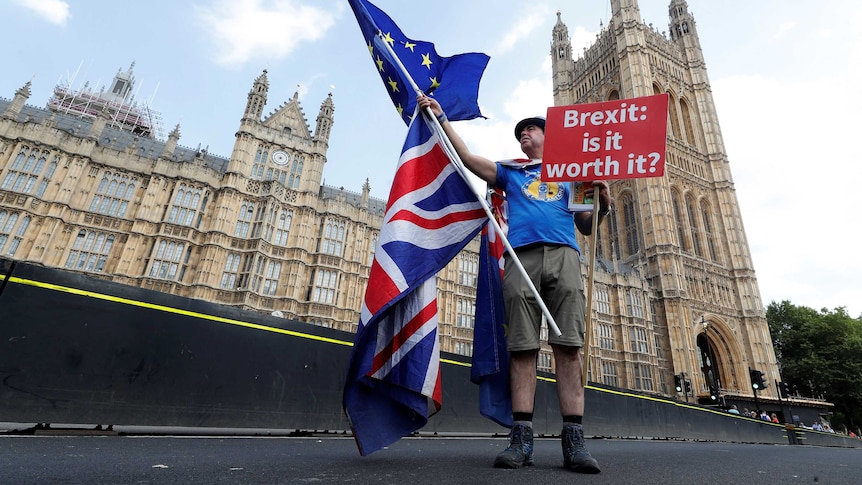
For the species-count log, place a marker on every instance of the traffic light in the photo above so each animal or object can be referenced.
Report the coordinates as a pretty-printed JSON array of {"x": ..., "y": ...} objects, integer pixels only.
[
  {"x": 783, "y": 389},
  {"x": 713, "y": 393},
  {"x": 677, "y": 381},
  {"x": 688, "y": 387},
  {"x": 757, "y": 381}
]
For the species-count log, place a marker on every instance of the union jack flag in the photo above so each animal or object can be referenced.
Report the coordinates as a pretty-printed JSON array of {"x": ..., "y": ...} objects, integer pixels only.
[{"x": 393, "y": 384}]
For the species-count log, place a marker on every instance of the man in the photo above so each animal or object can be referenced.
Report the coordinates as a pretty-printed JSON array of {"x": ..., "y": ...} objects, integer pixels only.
[{"x": 542, "y": 232}]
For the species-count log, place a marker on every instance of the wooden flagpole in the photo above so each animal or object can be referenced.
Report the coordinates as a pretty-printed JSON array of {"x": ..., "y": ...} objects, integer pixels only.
[{"x": 594, "y": 239}]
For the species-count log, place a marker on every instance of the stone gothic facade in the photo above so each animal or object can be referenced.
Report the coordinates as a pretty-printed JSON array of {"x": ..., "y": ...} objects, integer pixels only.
[
  {"x": 678, "y": 293},
  {"x": 675, "y": 286},
  {"x": 85, "y": 189}
]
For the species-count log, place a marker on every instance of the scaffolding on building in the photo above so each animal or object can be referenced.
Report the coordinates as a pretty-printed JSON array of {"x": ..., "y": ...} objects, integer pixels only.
[{"x": 119, "y": 108}]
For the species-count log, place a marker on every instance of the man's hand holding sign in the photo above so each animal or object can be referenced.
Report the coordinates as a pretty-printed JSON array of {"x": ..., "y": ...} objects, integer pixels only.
[{"x": 620, "y": 139}]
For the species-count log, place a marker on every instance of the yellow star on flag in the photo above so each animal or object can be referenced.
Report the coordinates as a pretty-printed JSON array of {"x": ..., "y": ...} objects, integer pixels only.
[
  {"x": 426, "y": 60},
  {"x": 394, "y": 85},
  {"x": 379, "y": 63},
  {"x": 434, "y": 83},
  {"x": 371, "y": 48},
  {"x": 409, "y": 45},
  {"x": 388, "y": 38}
]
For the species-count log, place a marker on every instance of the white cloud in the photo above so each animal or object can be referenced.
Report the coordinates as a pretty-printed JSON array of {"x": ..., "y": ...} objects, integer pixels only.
[
  {"x": 523, "y": 28},
  {"x": 256, "y": 29},
  {"x": 791, "y": 154},
  {"x": 494, "y": 138},
  {"x": 582, "y": 39},
  {"x": 783, "y": 28},
  {"x": 54, "y": 11}
]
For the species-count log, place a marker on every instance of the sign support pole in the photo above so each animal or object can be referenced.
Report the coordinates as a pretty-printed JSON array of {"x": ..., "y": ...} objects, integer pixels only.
[{"x": 594, "y": 239}]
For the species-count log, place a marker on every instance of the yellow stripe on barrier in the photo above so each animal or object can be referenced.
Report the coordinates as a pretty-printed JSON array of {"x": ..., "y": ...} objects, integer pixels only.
[{"x": 167, "y": 309}]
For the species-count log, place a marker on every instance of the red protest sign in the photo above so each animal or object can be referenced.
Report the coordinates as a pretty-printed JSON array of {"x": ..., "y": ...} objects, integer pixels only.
[{"x": 620, "y": 139}]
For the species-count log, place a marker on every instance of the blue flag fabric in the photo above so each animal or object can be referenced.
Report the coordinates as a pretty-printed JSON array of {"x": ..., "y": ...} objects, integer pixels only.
[
  {"x": 393, "y": 382},
  {"x": 490, "y": 369},
  {"x": 454, "y": 81}
]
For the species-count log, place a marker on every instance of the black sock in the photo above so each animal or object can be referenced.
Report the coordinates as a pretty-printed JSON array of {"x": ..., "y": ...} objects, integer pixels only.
[
  {"x": 522, "y": 417},
  {"x": 573, "y": 419}
]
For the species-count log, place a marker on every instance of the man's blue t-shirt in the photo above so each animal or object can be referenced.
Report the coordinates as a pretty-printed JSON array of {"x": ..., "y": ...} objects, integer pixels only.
[{"x": 538, "y": 211}]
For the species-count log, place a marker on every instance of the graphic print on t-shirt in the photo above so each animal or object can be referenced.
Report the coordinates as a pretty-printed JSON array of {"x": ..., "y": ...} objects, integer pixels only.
[{"x": 536, "y": 189}]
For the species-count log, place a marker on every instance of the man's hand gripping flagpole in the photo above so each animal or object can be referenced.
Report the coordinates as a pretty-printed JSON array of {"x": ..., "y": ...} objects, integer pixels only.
[{"x": 462, "y": 171}]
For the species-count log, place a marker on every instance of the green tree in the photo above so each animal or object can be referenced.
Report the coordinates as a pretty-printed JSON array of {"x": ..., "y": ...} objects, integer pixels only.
[{"x": 820, "y": 354}]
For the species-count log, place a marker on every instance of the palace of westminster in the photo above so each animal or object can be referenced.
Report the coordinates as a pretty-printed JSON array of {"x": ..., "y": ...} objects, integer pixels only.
[{"x": 87, "y": 186}]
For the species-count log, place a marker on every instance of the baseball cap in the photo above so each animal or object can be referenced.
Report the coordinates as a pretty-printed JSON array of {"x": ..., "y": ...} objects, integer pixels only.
[{"x": 536, "y": 120}]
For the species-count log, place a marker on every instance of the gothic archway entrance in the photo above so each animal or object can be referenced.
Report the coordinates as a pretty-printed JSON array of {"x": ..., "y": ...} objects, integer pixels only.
[{"x": 707, "y": 362}]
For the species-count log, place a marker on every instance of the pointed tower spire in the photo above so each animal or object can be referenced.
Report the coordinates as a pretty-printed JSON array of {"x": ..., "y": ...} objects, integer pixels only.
[
  {"x": 21, "y": 95},
  {"x": 562, "y": 63},
  {"x": 324, "y": 121},
  {"x": 366, "y": 193},
  {"x": 171, "y": 144},
  {"x": 257, "y": 98},
  {"x": 626, "y": 12},
  {"x": 684, "y": 32}
]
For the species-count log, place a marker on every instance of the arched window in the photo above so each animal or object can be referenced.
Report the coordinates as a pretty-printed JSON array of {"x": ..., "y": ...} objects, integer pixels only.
[
  {"x": 680, "y": 221},
  {"x": 708, "y": 232},
  {"x": 690, "y": 135},
  {"x": 325, "y": 287},
  {"x": 283, "y": 228},
  {"x": 243, "y": 223},
  {"x": 372, "y": 249},
  {"x": 26, "y": 171},
  {"x": 9, "y": 234},
  {"x": 259, "y": 163},
  {"x": 614, "y": 235},
  {"x": 468, "y": 269},
  {"x": 332, "y": 242},
  {"x": 231, "y": 271},
  {"x": 465, "y": 313},
  {"x": 113, "y": 194},
  {"x": 631, "y": 225},
  {"x": 167, "y": 256},
  {"x": 270, "y": 282},
  {"x": 672, "y": 114},
  {"x": 186, "y": 205},
  {"x": 691, "y": 207},
  {"x": 295, "y": 172},
  {"x": 90, "y": 251}
]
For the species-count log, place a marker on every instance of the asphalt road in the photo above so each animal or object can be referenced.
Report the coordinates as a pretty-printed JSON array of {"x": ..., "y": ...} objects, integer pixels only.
[{"x": 111, "y": 458}]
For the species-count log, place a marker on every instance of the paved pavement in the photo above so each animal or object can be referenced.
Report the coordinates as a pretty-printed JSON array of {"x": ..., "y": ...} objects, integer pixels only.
[{"x": 88, "y": 457}]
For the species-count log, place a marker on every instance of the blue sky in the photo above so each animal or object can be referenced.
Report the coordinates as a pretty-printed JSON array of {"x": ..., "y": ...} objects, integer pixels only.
[{"x": 784, "y": 76}]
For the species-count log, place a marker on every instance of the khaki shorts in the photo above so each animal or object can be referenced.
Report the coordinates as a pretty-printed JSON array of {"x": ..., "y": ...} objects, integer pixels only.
[{"x": 556, "y": 273}]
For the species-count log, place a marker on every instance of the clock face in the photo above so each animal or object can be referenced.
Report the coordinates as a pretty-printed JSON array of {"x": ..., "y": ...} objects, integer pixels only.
[{"x": 279, "y": 157}]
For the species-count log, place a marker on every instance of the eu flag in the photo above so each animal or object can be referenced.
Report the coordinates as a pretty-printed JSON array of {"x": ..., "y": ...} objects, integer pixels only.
[{"x": 454, "y": 81}]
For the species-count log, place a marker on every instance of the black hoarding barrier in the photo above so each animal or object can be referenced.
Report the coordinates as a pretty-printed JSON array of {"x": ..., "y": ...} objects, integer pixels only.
[{"x": 76, "y": 349}]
